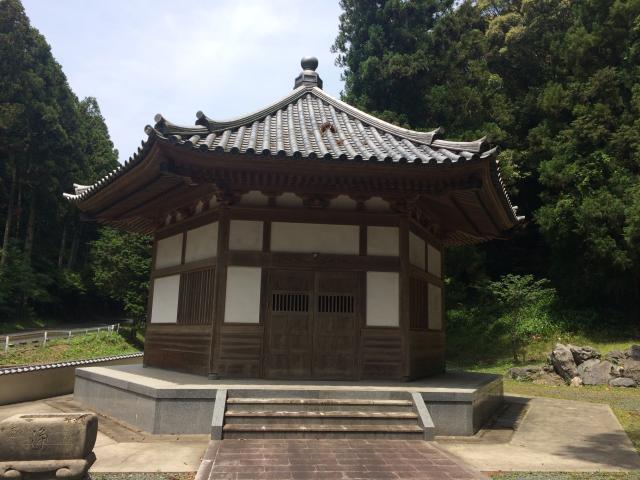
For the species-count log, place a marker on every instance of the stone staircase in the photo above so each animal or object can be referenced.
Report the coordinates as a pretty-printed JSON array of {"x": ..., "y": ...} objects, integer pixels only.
[{"x": 309, "y": 416}]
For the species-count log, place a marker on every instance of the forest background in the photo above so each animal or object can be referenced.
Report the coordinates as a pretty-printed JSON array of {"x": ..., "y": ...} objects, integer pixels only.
[{"x": 554, "y": 83}]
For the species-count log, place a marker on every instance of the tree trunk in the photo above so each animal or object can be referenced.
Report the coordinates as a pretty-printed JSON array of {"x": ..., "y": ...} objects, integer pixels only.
[
  {"x": 7, "y": 223},
  {"x": 75, "y": 243},
  {"x": 63, "y": 244},
  {"x": 18, "y": 209},
  {"x": 31, "y": 227}
]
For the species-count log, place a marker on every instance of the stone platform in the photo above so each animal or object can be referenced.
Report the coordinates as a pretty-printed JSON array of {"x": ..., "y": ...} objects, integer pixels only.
[{"x": 166, "y": 402}]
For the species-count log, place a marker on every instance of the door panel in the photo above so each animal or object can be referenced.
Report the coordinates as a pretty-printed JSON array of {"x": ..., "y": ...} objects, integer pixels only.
[
  {"x": 335, "y": 334},
  {"x": 289, "y": 325},
  {"x": 312, "y": 325}
]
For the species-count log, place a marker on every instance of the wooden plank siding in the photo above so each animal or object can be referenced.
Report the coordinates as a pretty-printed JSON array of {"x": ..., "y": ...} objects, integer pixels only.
[
  {"x": 426, "y": 353},
  {"x": 178, "y": 347},
  {"x": 240, "y": 354},
  {"x": 381, "y": 353}
]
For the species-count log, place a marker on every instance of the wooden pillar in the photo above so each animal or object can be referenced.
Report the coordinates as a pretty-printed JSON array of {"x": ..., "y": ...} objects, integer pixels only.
[
  {"x": 404, "y": 296},
  {"x": 220, "y": 291}
]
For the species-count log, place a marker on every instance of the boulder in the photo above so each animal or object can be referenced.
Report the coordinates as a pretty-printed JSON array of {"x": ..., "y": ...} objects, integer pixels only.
[
  {"x": 595, "y": 372},
  {"x": 617, "y": 371},
  {"x": 549, "y": 378},
  {"x": 527, "y": 373},
  {"x": 622, "y": 382},
  {"x": 576, "y": 382},
  {"x": 632, "y": 369},
  {"x": 582, "y": 354},
  {"x": 615, "y": 356},
  {"x": 633, "y": 352},
  {"x": 563, "y": 362}
]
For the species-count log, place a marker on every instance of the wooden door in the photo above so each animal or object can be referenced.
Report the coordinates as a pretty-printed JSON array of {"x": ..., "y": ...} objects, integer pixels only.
[
  {"x": 312, "y": 325},
  {"x": 335, "y": 325},
  {"x": 289, "y": 329}
]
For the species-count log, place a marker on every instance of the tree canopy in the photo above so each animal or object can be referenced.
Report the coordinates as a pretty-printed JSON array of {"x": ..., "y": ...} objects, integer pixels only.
[
  {"x": 556, "y": 84},
  {"x": 48, "y": 140}
]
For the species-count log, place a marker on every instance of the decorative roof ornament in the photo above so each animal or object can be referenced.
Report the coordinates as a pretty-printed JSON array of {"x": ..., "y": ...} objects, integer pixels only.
[{"x": 308, "y": 76}]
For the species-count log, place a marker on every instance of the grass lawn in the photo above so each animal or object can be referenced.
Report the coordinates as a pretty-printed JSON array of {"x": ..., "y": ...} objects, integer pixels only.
[{"x": 81, "y": 347}]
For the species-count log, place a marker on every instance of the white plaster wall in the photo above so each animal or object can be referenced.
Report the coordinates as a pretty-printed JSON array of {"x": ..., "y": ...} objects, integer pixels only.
[
  {"x": 383, "y": 299},
  {"x": 254, "y": 198},
  {"x": 311, "y": 237},
  {"x": 169, "y": 251},
  {"x": 245, "y": 235},
  {"x": 343, "y": 202},
  {"x": 435, "y": 307},
  {"x": 289, "y": 199},
  {"x": 434, "y": 261},
  {"x": 383, "y": 241},
  {"x": 242, "y": 304},
  {"x": 164, "y": 307},
  {"x": 416, "y": 251},
  {"x": 377, "y": 204},
  {"x": 202, "y": 242}
]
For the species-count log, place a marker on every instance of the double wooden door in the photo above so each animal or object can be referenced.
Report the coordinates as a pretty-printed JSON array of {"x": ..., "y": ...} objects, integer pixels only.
[{"x": 312, "y": 325}]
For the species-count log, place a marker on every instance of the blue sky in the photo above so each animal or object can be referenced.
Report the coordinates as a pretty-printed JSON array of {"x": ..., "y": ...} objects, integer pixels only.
[{"x": 226, "y": 58}]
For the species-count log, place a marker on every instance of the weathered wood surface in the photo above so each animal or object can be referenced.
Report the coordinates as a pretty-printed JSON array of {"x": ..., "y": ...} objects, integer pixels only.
[{"x": 178, "y": 347}]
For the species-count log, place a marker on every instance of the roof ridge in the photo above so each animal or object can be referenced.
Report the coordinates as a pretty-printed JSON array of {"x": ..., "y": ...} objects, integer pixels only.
[
  {"x": 420, "y": 137},
  {"x": 217, "y": 126},
  {"x": 248, "y": 119}
]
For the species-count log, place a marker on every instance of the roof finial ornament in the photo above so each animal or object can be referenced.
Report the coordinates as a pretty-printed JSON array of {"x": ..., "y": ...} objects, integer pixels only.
[{"x": 308, "y": 77}]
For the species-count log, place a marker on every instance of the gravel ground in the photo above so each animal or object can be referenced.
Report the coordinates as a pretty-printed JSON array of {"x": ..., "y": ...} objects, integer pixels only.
[
  {"x": 141, "y": 476},
  {"x": 566, "y": 476}
]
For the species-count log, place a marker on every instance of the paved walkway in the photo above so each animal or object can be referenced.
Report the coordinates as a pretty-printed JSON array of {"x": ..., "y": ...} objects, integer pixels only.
[
  {"x": 120, "y": 448},
  {"x": 554, "y": 435},
  {"x": 330, "y": 459}
]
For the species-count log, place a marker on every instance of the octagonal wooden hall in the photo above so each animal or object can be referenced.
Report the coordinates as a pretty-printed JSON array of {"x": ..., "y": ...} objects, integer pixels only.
[{"x": 302, "y": 241}]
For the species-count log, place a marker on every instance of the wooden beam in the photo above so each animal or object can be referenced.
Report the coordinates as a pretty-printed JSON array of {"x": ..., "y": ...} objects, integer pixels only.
[{"x": 313, "y": 261}]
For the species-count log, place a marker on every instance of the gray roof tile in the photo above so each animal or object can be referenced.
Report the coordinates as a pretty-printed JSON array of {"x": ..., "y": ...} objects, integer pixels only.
[{"x": 307, "y": 123}]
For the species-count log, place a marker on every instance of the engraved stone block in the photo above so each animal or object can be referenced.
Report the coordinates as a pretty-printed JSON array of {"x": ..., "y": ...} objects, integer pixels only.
[{"x": 47, "y": 445}]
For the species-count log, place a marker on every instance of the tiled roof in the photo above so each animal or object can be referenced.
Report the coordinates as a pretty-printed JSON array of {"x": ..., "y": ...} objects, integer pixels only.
[
  {"x": 308, "y": 124},
  {"x": 70, "y": 363}
]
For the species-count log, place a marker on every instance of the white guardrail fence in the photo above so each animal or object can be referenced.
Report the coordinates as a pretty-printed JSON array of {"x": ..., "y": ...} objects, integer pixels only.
[{"x": 43, "y": 336}]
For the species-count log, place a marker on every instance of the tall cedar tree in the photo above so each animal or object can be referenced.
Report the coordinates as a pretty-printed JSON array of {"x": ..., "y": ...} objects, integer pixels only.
[
  {"x": 557, "y": 85},
  {"x": 48, "y": 139}
]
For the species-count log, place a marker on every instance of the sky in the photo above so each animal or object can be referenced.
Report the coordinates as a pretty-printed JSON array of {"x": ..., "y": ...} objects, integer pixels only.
[{"x": 224, "y": 57}]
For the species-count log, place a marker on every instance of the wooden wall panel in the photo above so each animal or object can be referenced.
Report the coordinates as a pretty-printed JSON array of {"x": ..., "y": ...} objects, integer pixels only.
[
  {"x": 178, "y": 347},
  {"x": 240, "y": 353},
  {"x": 381, "y": 350},
  {"x": 426, "y": 353},
  {"x": 195, "y": 303}
]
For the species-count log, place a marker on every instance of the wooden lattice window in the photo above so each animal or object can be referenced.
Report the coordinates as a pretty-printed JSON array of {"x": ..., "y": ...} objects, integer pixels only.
[
  {"x": 418, "y": 312},
  {"x": 290, "y": 302},
  {"x": 336, "y": 303},
  {"x": 195, "y": 302}
]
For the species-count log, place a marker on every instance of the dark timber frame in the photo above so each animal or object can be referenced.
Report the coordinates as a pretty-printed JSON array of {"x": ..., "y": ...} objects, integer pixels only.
[{"x": 238, "y": 350}]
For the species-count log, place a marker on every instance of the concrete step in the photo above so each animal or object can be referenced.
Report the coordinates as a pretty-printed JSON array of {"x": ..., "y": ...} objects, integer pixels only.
[
  {"x": 314, "y": 417},
  {"x": 322, "y": 431},
  {"x": 315, "y": 401},
  {"x": 319, "y": 404}
]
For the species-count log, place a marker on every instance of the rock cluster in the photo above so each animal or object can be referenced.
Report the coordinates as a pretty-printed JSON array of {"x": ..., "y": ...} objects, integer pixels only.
[{"x": 577, "y": 366}]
